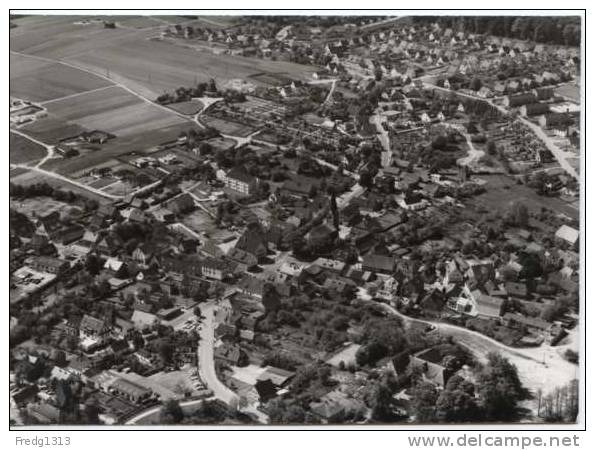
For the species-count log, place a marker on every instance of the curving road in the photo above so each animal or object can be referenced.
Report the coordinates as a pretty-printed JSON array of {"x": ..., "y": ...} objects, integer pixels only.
[
  {"x": 541, "y": 367},
  {"x": 206, "y": 358}
]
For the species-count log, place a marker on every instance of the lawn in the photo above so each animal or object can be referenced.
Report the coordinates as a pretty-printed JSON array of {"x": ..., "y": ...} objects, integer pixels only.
[
  {"x": 227, "y": 127},
  {"x": 189, "y": 108},
  {"x": 501, "y": 190},
  {"x": 22, "y": 150}
]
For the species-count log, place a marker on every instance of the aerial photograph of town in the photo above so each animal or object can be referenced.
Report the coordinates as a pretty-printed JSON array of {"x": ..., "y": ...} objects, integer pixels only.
[{"x": 316, "y": 220}]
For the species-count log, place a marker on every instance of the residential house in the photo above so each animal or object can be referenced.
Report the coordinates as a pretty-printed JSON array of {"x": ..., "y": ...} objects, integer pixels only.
[
  {"x": 378, "y": 264},
  {"x": 488, "y": 306},
  {"x": 238, "y": 180},
  {"x": 49, "y": 264},
  {"x": 93, "y": 331},
  {"x": 551, "y": 120},
  {"x": 568, "y": 235},
  {"x": 534, "y": 109},
  {"x": 430, "y": 362},
  {"x": 515, "y": 101}
]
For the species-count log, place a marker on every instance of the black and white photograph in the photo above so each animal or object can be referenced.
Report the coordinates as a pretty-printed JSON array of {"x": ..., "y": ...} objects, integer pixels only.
[{"x": 318, "y": 219}]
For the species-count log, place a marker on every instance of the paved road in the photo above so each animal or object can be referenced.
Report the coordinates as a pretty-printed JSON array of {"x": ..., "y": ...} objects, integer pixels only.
[
  {"x": 381, "y": 22},
  {"x": 542, "y": 367},
  {"x": 558, "y": 153},
  {"x": 48, "y": 148},
  {"x": 206, "y": 358},
  {"x": 376, "y": 119},
  {"x": 66, "y": 180},
  {"x": 457, "y": 331},
  {"x": 156, "y": 411}
]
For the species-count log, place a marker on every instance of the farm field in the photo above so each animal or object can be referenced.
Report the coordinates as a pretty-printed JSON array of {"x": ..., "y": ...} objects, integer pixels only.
[
  {"x": 158, "y": 66},
  {"x": 22, "y": 150},
  {"x": 36, "y": 80},
  {"x": 114, "y": 110},
  {"x": 56, "y": 37},
  {"x": 148, "y": 67},
  {"x": 139, "y": 143},
  {"x": 52, "y": 130}
]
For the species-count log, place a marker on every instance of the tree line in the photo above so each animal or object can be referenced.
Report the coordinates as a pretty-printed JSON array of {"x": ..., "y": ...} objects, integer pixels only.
[{"x": 545, "y": 30}]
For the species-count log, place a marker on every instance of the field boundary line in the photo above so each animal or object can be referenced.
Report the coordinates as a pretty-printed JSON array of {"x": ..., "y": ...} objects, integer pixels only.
[
  {"x": 66, "y": 97},
  {"x": 115, "y": 83}
]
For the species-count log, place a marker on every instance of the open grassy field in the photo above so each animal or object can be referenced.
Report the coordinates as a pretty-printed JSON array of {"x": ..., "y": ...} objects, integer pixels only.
[
  {"x": 22, "y": 150},
  {"x": 501, "y": 190},
  {"x": 227, "y": 127},
  {"x": 114, "y": 110},
  {"x": 36, "y": 80},
  {"x": 189, "y": 108},
  {"x": 30, "y": 177}
]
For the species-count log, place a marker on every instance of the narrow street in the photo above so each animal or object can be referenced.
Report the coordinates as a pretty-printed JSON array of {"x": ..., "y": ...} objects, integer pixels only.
[
  {"x": 540, "y": 367},
  {"x": 206, "y": 358},
  {"x": 377, "y": 120}
]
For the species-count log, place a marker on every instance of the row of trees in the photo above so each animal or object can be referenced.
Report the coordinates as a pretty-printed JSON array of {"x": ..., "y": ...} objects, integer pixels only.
[{"x": 548, "y": 30}]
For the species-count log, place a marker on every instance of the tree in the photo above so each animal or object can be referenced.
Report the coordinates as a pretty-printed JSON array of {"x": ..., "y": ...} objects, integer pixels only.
[
  {"x": 499, "y": 388},
  {"x": 457, "y": 403},
  {"x": 518, "y": 214},
  {"x": 171, "y": 412},
  {"x": 93, "y": 264},
  {"x": 475, "y": 84},
  {"x": 270, "y": 298},
  {"x": 381, "y": 403},
  {"x": 166, "y": 351},
  {"x": 423, "y": 402},
  {"x": 491, "y": 148}
]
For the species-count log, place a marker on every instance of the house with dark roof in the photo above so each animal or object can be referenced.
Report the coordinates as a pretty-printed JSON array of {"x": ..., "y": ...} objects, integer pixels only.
[
  {"x": 251, "y": 286},
  {"x": 49, "y": 224},
  {"x": 534, "y": 324},
  {"x": 253, "y": 241},
  {"x": 300, "y": 186},
  {"x": 215, "y": 268},
  {"x": 555, "y": 119},
  {"x": 41, "y": 245},
  {"x": 515, "y": 101},
  {"x": 515, "y": 289},
  {"x": 534, "y": 109},
  {"x": 378, "y": 264},
  {"x": 49, "y": 264},
  {"x": 93, "y": 328},
  {"x": 430, "y": 363},
  {"x": 231, "y": 354},
  {"x": 244, "y": 259}
]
